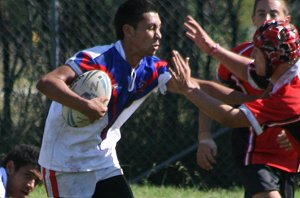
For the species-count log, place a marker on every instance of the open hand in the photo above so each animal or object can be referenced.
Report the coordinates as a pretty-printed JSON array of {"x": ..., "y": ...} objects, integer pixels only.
[
  {"x": 197, "y": 34},
  {"x": 181, "y": 75}
]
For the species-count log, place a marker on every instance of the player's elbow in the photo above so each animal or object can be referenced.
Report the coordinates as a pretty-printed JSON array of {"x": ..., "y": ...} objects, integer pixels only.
[
  {"x": 234, "y": 119},
  {"x": 41, "y": 84}
]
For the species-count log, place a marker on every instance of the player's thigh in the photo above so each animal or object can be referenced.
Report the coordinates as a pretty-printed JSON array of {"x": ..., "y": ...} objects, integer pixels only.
[
  {"x": 288, "y": 184},
  {"x": 69, "y": 185},
  {"x": 259, "y": 179},
  {"x": 114, "y": 187},
  {"x": 76, "y": 184}
]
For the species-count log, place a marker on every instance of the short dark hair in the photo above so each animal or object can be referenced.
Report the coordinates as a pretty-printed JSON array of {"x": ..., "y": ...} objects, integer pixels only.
[
  {"x": 131, "y": 12},
  {"x": 22, "y": 155}
]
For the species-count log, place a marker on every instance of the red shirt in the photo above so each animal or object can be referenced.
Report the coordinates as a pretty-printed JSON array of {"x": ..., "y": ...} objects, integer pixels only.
[
  {"x": 262, "y": 149},
  {"x": 269, "y": 116},
  {"x": 226, "y": 77}
]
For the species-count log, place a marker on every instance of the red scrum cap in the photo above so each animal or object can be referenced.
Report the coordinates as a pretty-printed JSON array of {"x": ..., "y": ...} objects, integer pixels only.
[{"x": 279, "y": 41}]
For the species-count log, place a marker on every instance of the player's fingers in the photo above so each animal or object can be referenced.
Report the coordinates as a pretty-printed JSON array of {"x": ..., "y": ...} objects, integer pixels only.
[
  {"x": 101, "y": 107},
  {"x": 174, "y": 77},
  {"x": 286, "y": 145},
  {"x": 203, "y": 157},
  {"x": 207, "y": 164},
  {"x": 177, "y": 57},
  {"x": 210, "y": 157},
  {"x": 281, "y": 139},
  {"x": 189, "y": 28},
  {"x": 193, "y": 23},
  {"x": 179, "y": 62},
  {"x": 204, "y": 163},
  {"x": 103, "y": 99},
  {"x": 173, "y": 74},
  {"x": 284, "y": 141},
  {"x": 190, "y": 36},
  {"x": 175, "y": 63},
  {"x": 187, "y": 60},
  {"x": 183, "y": 63},
  {"x": 282, "y": 133},
  {"x": 215, "y": 151}
]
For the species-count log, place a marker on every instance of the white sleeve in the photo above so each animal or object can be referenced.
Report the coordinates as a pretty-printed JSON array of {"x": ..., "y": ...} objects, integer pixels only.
[
  {"x": 255, "y": 124},
  {"x": 3, "y": 181},
  {"x": 162, "y": 82}
]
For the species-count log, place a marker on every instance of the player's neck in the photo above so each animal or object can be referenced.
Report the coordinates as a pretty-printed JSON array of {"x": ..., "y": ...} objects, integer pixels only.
[
  {"x": 134, "y": 61},
  {"x": 279, "y": 71},
  {"x": 132, "y": 57}
]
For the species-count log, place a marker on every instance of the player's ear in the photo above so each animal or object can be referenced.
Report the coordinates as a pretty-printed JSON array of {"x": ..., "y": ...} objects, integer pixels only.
[
  {"x": 10, "y": 167},
  {"x": 288, "y": 18},
  {"x": 128, "y": 30}
]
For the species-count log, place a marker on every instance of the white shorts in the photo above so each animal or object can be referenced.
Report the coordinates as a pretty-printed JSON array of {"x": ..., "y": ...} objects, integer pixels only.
[{"x": 75, "y": 184}]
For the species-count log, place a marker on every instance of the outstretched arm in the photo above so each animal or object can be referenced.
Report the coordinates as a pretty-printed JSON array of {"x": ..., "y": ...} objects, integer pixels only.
[
  {"x": 216, "y": 90},
  {"x": 214, "y": 108},
  {"x": 235, "y": 63},
  {"x": 223, "y": 93}
]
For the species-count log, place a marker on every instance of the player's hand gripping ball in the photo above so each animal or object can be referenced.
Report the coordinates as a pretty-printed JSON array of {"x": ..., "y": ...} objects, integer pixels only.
[{"x": 88, "y": 85}]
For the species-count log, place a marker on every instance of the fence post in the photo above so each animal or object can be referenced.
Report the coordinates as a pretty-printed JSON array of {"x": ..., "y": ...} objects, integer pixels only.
[{"x": 54, "y": 39}]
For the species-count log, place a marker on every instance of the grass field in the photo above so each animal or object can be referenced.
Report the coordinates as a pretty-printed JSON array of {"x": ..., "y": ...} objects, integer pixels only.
[{"x": 147, "y": 191}]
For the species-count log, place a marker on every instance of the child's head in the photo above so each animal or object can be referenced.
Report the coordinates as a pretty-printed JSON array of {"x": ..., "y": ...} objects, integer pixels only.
[
  {"x": 131, "y": 12},
  {"x": 23, "y": 170},
  {"x": 279, "y": 42},
  {"x": 270, "y": 9}
]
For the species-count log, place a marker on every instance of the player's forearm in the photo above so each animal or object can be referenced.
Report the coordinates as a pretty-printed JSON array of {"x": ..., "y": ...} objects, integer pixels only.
[
  {"x": 235, "y": 63},
  {"x": 204, "y": 130},
  {"x": 225, "y": 94},
  {"x": 57, "y": 90},
  {"x": 223, "y": 113}
]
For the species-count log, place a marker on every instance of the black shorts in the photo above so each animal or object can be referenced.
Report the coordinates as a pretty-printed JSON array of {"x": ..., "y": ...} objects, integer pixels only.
[
  {"x": 260, "y": 178},
  {"x": 114, "y": 187}
]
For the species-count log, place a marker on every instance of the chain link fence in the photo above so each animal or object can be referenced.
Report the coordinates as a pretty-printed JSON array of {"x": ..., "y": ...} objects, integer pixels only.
[{"x": 159, "y": 142}]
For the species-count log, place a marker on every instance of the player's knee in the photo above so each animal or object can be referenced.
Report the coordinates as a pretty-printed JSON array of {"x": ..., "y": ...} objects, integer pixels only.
[{"x": 268, "y": 194}]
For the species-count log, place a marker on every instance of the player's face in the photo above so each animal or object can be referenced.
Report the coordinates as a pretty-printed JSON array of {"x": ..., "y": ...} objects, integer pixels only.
[
  {"x": 147, "y": 35},
  {"x": 259, "y": 61},
  {"x": 268, "y": 9},
  {"x": 21, "y": 182}
]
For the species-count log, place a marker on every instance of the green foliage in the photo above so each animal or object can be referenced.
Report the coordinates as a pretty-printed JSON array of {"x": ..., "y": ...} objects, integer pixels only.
[{"x": 245, "y": 21}]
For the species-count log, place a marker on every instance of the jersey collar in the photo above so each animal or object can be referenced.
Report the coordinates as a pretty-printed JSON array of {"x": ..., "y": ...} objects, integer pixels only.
[
  {"x": 287, "y": 77},
  {"x": 120, "y": 49}
]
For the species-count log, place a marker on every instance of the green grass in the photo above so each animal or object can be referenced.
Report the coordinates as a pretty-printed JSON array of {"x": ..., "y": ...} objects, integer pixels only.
[
  {"x": 171, "y": 192},
  {"x": 148, "y": 191}
]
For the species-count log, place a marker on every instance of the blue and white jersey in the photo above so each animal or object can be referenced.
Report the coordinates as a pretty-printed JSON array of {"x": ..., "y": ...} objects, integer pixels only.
[
  {"x": 3, "y": 182},
  {"x": 70, "y": 149}
]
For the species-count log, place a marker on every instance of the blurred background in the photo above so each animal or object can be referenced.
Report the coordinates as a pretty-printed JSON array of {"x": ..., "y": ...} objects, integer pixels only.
[{"x": 159, "y": 141}]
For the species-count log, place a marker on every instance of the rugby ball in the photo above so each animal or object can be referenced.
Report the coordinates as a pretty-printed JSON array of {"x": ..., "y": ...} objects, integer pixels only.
[{"x": 91, "y": 84}]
